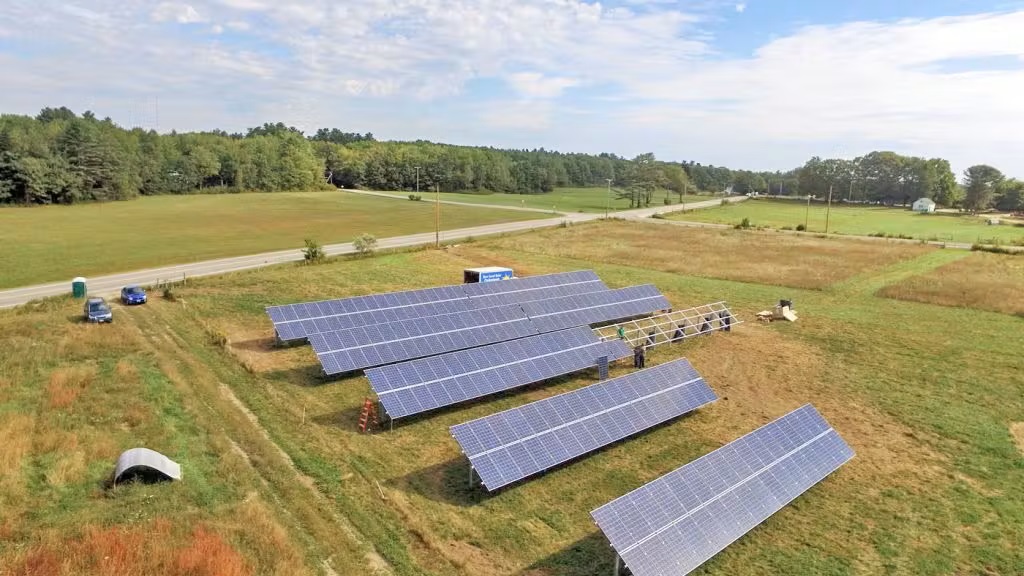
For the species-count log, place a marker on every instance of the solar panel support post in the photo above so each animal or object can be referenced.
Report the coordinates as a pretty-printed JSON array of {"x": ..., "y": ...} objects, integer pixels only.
[
  {"x": 618, "y": 563},
  {"x": 471, "y": 484}
]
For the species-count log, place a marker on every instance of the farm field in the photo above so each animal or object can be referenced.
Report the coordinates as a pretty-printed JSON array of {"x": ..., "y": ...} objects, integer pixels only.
[
  {"x": 53, "y": 243},
  {"x": 561, "y": 199},
  {"x": 860, "y": 221},
  {"x": 929, "y": 397},
  {"x": 981, "y": 280}
]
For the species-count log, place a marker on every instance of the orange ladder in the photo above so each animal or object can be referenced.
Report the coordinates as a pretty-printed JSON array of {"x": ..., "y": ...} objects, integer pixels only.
[{"x": 369, "y": 415}]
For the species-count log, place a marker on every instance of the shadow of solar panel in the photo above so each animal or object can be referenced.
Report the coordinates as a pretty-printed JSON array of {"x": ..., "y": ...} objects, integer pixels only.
[
  {"x": 426, "y": 384},
  {"x": 677, "y": 522},
  {"x": 514, "y": 444},
  {"x": 595, "y": 308}
]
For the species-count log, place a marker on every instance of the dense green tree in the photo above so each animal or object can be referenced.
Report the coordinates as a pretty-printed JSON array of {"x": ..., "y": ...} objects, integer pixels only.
[{"x": 980, "y": 183}]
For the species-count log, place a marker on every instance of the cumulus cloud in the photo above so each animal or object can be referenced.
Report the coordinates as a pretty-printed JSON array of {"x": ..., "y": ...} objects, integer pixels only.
[
  {"x": 536, "y": 85},
  {"x": 180, "y": 13},
  {"x": 649, "y": 68}
]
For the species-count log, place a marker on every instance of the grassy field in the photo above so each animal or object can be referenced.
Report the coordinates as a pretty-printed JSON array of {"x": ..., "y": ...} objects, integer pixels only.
[
  {"x": 860, "y": 220},
  {"x": 985, "y": 281},
  {"x": 59, "y": 242},
  {"x": 929, "y": 397},
  {"x": 561, "y": 200}
]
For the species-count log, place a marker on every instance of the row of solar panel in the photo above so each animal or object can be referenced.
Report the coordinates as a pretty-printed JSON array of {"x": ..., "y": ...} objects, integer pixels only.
[
  {"x": 302, "y": 329},
  {"x": 674, "y": 524},
  {"x": 509, "y": 446},
  {"x": 368, "y": 346},
  {"x": 425, "y": 384},
  {"x": 297, "y": 321}
]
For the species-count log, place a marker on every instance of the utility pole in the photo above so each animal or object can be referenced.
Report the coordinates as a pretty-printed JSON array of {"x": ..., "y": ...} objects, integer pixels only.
[
  {"x": 850, "y": 195},
  {"x": 608, "y": 199},
  {"x": 807, "y": 214},
  {"x": 828, "y": 210}
]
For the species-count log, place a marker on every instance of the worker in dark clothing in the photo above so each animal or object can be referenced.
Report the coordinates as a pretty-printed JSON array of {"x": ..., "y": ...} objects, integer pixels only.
[
  {"x": 650, "y": 338},
  {"x": 726, "y": 320},
  {"x": 637, "y": 354},
  {"x": 643, "y": 356},
  {"x": 679, "y": 334}
]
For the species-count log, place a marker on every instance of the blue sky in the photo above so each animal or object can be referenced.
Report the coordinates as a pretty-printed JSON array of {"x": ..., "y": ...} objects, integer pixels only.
[{"x": 760, "y": 84}]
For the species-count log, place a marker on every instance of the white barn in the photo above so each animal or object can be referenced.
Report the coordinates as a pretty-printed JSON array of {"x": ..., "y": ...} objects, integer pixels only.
[{"x": 924, "y": 205}]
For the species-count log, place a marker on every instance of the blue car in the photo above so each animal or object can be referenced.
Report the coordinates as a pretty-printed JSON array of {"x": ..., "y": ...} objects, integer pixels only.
[
  {"x": 96, "y": 310},
  {"x": 133, "y": 294}
]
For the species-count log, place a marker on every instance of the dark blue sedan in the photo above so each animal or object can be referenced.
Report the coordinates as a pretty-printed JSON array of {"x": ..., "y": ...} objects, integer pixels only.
[{"x": 133, "y": 294}]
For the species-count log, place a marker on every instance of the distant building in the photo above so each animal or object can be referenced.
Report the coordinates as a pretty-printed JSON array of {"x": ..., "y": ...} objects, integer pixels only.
[{"x": 924, "y": 205}]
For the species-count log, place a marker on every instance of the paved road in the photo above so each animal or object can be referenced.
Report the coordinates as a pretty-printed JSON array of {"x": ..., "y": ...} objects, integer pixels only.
[
  {"x": 110, "y": 286},
  {"x": 428, "y": 199}
]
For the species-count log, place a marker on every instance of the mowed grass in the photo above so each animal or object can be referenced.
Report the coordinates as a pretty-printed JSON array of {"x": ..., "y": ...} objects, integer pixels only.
[
  {"x": 984, "y": 281},
  {"x": 927, "y": 396},
  {"x": 72, "y": 398},
  {"x": 860, "y": 221},
  {"x": 761, "y": 257},
  {"x": 53, "y": 243},
  {"x": 594, "y": 199}
]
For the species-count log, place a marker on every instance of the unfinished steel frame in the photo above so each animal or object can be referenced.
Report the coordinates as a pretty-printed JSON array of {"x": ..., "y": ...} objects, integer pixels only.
[{"x": 674, "y": 326}]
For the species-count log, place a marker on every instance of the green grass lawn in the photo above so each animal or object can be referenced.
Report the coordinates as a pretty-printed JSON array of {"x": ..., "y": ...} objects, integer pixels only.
[
  {"x": 859, "y": 220},
  {"x": 561, "y": 200},
  {"x": 53, "y": 243}
]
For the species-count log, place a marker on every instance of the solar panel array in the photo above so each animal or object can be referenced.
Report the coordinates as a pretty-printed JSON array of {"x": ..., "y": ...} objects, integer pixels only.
[
  {"x": 367, "y": 346},
  {"x": 302, "y": 329},
  {"x": 514, "y": 444},
  {"x": 421, "y": 385},
  {"x": 677, "y": 522},
  {"x": 296, "y": 321},
  {"x": 377, "y": 345},
  {"x": 596, "y": 307}
]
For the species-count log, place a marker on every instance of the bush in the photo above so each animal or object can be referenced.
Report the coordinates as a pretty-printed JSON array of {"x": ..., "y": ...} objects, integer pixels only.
[
  {"x": 313, "y": 252},
  {"x": 745, "y": 223},
  {"x": 723, "y": 202},
  {"x": 658, "y": 216},
  {"x": 668, "y": 201},
  {"x": 415, "y": 197},
  {"x": 169, "y": 294},
  {"x": 365, "y": 244},
  {"x": 801, "y": 228}
]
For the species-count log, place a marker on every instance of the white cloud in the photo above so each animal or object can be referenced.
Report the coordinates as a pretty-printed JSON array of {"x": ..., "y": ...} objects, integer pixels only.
[
  {"x": 650, "y": 69},
  {"x": 536, "y": 85},
  {"x": 180, "y": 13}
]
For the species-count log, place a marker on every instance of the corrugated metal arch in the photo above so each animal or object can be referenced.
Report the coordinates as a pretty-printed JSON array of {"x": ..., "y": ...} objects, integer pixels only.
[{"x": 146, "y": 465}]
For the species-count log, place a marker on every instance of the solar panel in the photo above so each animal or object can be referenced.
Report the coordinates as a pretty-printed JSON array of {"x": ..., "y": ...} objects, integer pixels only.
[
  {"x": 296, "y": 321},
  {"x": 421, "y": 385},
  {"x": 514, "y": 444},
  {"x": 301, "y": 329},
  {"x": 595, "y": 308},
  {"x": 542, "y": 281},
  {"x": 366, "y": 346},
  {"x": 677, "y": 522},
  {"x": 324, "y": 308}
]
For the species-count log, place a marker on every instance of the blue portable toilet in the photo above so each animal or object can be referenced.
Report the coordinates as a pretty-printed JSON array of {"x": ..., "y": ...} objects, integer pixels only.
[{"x": 486, "y": 274}]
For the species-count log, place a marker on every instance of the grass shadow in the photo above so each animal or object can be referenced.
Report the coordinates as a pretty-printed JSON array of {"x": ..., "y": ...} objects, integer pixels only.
[
  {"x": 346, "y": 419},
  {"x": 308, "y": 376},
  {"x": 264, "y": 345},
  {"x": 446, "y": 482},
  {"x": 587, "y": 556}
]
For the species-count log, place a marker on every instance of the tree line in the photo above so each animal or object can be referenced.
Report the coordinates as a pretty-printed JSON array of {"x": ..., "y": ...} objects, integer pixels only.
[{"x": 59, "y": 157}]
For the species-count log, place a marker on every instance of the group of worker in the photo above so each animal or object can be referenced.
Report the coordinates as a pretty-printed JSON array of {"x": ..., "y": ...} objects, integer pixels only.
[{"x": 640, "y": 351}]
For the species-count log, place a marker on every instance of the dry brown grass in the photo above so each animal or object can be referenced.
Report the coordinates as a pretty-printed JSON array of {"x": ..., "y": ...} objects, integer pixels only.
[
  {"x": 983, "y": 281},
  {"x": 153, "y": 548},
  {"x": 1017, "y": 431},
  {"x": 67, "y": 383},
  {"x": 746, "y": 256},
  {"x": 16, "y": 434}
]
